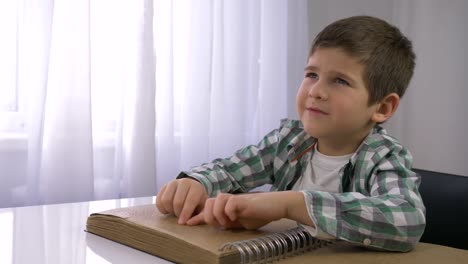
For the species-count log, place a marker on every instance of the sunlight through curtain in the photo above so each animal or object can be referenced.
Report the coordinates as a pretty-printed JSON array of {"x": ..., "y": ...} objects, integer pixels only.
[{"x": 114, "y": 98}]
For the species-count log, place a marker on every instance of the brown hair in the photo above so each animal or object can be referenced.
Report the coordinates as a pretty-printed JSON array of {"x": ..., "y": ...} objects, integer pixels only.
[{"x": 387, "y": 55}]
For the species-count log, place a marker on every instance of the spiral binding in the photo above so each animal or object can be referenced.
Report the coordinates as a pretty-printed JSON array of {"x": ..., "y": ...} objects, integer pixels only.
[{"x": 275, "y": 246}]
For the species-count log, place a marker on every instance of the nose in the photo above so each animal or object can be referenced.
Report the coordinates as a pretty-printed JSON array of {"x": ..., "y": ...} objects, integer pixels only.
[{"x": 318, "y": 90}]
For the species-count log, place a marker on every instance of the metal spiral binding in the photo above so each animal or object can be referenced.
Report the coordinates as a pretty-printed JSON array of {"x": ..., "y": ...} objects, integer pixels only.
[{"x": 275, "y": 246}]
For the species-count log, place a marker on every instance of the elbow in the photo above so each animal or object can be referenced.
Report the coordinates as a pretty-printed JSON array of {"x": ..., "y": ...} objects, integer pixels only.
[
  {"x": 410, "y": 234},
  {"x": 401, "y": 238}
]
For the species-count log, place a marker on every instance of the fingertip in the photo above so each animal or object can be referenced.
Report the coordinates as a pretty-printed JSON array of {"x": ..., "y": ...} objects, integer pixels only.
[
  {"x": 196, "y": 220},
  {"x": 232, "y": 218},
  {"x": 181, "y": 221},
  {"x": 192, "y": 221},
  {"x": 184, "y": 216}
]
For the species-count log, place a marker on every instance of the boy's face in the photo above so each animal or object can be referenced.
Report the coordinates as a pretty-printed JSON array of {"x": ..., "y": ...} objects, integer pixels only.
[{"x": 332, "y": 101}]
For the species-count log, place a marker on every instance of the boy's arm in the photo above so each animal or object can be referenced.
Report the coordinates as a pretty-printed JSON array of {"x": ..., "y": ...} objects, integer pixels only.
[
  {"x": 390, "y": 217},
  {"x": 248, "y": 168}
]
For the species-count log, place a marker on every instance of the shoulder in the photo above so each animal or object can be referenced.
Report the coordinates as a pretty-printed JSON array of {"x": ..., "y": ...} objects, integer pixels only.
[
  {"x": 380, "y": 153},
  {"x": 379, "y": 146},
  {"x": 379, "y": 140}
]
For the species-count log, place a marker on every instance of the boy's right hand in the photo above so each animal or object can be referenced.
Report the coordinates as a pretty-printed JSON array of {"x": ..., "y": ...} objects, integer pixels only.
[{"x": 182, "y": 198}]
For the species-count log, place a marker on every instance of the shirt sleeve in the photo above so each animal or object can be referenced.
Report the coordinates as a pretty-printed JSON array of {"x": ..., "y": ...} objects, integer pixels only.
[
  {"x": 314, "y": 231},
  {"x": 248, "y": 168},
  {"x": 389, "y": 215}
]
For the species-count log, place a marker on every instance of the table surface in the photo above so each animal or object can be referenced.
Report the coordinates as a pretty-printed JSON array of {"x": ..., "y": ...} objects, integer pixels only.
[{"x": 55, "y": 234}]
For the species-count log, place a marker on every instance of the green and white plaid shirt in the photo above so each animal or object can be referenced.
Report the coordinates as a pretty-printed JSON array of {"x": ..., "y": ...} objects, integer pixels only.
[{"x": 378, "y": 204}]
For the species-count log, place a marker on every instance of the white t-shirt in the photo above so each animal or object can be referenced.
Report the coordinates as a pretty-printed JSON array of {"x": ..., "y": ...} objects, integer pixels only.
[{"x": 321, "y": 174}]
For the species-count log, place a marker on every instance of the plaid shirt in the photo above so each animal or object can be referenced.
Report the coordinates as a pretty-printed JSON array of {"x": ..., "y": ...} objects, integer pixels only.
[{"x": 378, "y": 204}]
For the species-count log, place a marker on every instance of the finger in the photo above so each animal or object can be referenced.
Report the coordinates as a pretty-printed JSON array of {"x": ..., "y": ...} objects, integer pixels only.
[
  {"x": 193, "y": 199},
  {"x": 196, "y": 220},
  {"x": 236, "y": 207},
  {"x": 208, "y": 212},
  {"x": 159, "y": 203},
  {"x": 168, "y": 197},
  {"x": 218, "y": 209},
  {"x": 180, "y": 197},
  {"x": 231, "y": 209}
]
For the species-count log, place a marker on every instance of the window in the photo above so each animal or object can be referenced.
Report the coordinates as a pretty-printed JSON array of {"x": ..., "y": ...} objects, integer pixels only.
[
  {"x": 8, "y": 55},
  {"x": 10, "y": 116}
]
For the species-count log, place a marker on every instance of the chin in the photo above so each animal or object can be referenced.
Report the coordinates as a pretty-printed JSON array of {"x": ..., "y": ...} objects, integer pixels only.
[{"x": 311, "y": 130}]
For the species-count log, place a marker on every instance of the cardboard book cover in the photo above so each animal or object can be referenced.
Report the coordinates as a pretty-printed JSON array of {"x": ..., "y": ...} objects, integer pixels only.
[{"x": 146, "y": 229}]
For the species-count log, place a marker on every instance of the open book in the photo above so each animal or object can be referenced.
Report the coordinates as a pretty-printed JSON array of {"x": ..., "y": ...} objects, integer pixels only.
[{"x": 144, "y": 228}]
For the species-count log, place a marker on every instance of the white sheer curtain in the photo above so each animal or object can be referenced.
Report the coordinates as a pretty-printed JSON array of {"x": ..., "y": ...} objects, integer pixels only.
[
  {"x": 87, "y": 75},
  {"x": 117, "y": 97},
  {"x": 229, "y": 86}
]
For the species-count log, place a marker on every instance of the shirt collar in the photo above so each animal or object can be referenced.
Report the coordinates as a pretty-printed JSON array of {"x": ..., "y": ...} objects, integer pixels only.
[
  {"x": 303, "y": 143},
  {"x": 375, "y": 135}
]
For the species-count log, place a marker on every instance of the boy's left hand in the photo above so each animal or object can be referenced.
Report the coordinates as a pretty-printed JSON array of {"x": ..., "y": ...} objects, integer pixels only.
[{"x": 249, "y": 211}]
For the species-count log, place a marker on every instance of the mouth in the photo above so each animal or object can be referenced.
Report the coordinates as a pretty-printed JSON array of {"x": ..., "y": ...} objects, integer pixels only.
[{"x": 316, "y": 110}]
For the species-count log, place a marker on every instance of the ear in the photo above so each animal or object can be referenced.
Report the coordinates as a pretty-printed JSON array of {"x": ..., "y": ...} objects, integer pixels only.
[{"x": 385, "y": 108}]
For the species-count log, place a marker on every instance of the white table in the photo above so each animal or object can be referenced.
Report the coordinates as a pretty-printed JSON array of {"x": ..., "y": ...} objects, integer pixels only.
[{"x": 55, "y": 234}]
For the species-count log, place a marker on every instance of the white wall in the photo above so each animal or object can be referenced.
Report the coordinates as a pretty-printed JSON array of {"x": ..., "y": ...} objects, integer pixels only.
[{"x": 432, "y": 120}]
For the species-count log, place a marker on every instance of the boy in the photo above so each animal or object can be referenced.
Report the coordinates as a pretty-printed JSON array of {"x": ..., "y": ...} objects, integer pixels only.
[{"x": 336, "y": 172}]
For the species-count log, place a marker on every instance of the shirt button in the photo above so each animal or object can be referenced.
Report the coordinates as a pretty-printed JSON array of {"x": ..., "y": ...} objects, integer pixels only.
[{"x": 367, "y": 241}]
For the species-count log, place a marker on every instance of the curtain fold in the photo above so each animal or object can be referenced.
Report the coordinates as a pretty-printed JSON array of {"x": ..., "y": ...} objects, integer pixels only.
[
  {"x": 135, "y": 138},
  {"x": 33, "y": 65},
  {"x": 215, "y": 102},
  {"x": 66, "y": 152}
]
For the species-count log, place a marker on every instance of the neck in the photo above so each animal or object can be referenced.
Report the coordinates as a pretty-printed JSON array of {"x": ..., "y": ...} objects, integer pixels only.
[{"x": 341, "y": 145}]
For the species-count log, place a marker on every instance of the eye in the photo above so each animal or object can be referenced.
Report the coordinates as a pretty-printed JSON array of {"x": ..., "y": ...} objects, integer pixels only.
[
  {"x": 341, "y": 81},
  {"x": 312, "y": 75}
]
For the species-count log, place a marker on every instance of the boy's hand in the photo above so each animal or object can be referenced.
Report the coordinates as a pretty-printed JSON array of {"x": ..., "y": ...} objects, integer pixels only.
[
  {"x": 252, "y": 211},
  {"x": 182, "y": 198},
  {"x": 215, "y": 213}
]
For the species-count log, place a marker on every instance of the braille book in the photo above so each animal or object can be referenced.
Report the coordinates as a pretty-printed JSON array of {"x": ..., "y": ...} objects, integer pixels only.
[{"x": 146, "y": 229}]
